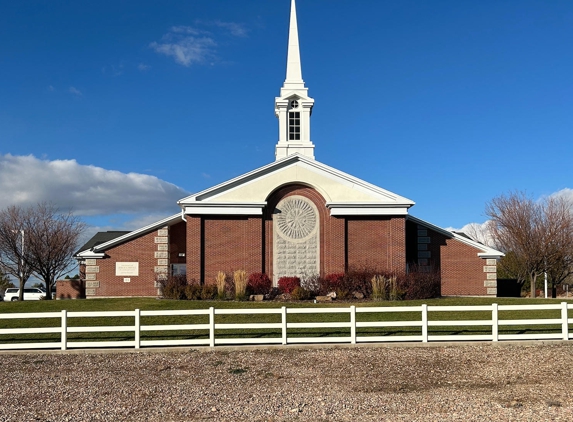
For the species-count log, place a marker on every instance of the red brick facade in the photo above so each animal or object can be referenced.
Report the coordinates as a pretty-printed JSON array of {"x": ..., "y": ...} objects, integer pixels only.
[{"x": 209, "y": 244}]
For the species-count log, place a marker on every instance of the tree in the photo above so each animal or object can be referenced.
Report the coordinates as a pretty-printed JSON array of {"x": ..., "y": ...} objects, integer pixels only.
[
  {"x": 13, "y": 254},
  {"x": 51, "y": 240},
  {"x": 5, "y": 282},
  {"x": 537, "y": 237}
]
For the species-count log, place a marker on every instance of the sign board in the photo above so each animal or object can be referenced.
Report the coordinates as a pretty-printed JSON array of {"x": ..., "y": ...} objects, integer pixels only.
[{"x": 130, "y": 269}]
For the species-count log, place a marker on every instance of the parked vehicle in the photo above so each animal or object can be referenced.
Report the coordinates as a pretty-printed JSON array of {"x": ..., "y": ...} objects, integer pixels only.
[{"x": 30, "y": 293}]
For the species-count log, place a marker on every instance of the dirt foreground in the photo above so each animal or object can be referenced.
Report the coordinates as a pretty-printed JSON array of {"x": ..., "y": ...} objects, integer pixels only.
[{"x": 480, "y": 382}]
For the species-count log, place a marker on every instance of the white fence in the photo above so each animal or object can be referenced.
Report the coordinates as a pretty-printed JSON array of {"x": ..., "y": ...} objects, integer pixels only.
[{"x": 361, "y": 324}]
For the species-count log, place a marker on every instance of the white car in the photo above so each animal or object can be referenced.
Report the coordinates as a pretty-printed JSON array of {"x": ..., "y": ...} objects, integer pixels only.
[{"x": 30, "y": 293}]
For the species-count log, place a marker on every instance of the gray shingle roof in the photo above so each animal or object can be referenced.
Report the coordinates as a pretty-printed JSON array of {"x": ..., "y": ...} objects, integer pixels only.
[{"x": 101, "y": 237}]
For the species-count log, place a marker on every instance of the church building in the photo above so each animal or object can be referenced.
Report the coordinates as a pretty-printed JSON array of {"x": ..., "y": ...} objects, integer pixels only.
[{"x": 293, "y": 217}]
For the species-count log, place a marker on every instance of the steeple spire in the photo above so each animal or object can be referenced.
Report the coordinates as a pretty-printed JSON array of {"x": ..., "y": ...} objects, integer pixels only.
[
  {"x": 293, "y": 108},
  {"x": 294, "y": 73}
]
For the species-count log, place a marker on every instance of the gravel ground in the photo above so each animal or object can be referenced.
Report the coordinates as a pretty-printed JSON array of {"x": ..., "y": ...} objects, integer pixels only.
[{"x": 485, "y": 382}]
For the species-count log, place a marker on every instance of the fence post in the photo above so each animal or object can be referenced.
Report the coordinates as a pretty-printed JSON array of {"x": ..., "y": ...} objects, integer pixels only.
[
  {"x": 137, "y": 329},
  {"x": 494, "y": 322},
  {"x": 64, "y": 330},
  {"x": 424, "y": 323},
  {"x": 212, "y": 327},
  {"x": 353, "y": 324},
  {"x": 565, "y": 319},
  {"x": 284, "y": 324}
]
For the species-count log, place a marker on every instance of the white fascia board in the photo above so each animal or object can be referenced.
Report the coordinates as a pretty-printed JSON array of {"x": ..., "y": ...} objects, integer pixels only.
[
  {"x": 139, "y": 232},
  {"x": 290, "y": 160},
  {"x": 89, "y": 254},
  {"x": 224, "y": 209},
  {"x": 487, "y": 252},
  {"x": 367, "y": 209}
]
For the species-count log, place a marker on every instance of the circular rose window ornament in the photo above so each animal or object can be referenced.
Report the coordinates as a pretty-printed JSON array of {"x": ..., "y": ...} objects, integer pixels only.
[{"x": 296, "y": 218}]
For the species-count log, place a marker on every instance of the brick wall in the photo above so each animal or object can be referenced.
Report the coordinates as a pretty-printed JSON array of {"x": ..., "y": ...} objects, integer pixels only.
[
  {"x": 70, "y": 289},
  {"x": 463, "y": 272},
  {"x": 376, "y": 242},
  {"x": 101, "y": 280},
  {"x": 232, "y": 243},
  {"x": 194, "y": 246}
]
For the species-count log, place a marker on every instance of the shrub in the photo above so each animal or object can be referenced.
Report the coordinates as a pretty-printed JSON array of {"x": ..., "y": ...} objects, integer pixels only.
[
  {"x": 311, "y": 283},
  {"x": 329, "y": 283},
  {"x": 259, "y": 284},
  {"x": 209, "y": 292},
  {"x": 221, "y": 279},
  {"x": 173, "y": 287},
  {"x": 356, "y": 280},
  {"x": 420, "y": 284},
  {"x": 288, "y": 284},
  {"x": 193, "y": 290},
  {"x": 240, "y": 279},
  {"x": 300, "y": 293}
]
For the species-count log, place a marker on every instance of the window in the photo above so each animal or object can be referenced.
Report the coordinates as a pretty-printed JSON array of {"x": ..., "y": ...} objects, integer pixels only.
[
  {"x": 293, "y": 121},
  {"x": 294, "y": 125}
]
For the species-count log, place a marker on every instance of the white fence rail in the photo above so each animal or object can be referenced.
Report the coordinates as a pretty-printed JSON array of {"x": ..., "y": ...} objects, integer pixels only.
[{"x": 360, "y": 325}]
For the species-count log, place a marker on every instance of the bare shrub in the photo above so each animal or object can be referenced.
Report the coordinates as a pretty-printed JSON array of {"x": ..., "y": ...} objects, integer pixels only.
[
  {"x": 420, "y": 284},
  {"x": 174, "y": 287}
]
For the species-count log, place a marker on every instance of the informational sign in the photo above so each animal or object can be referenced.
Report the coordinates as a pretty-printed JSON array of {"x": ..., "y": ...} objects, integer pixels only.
[{"x": 129, "y": 269}]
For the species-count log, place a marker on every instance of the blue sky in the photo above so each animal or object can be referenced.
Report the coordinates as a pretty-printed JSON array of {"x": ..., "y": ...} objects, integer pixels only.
[{"x": 119, "y": 108}]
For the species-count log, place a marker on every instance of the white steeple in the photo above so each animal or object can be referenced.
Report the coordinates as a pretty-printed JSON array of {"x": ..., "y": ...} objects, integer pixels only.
[{"x": 293, "y": 108}]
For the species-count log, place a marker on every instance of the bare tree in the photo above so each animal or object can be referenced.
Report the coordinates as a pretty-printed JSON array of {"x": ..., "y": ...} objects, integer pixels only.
[
  {"x": 559, "y": 247},
  {"x": 51, "y": 240},
  {"x": 13, "y": 255},
  {"x": 536, "y": 236}
]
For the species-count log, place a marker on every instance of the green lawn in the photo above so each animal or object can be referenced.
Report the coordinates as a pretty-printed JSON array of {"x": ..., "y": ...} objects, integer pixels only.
[{"x": 129, "y": 304}]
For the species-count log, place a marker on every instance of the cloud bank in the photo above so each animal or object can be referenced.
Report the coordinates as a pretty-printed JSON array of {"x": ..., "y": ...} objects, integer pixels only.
[{"x": 87, "y": 190}]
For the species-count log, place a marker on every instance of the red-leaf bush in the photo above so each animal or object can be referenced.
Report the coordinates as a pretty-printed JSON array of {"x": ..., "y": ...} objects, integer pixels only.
[
  {"x": 259, "y": 284},
  {"x": 288, "y": 284},
  {"x": 330, "y": 283}
]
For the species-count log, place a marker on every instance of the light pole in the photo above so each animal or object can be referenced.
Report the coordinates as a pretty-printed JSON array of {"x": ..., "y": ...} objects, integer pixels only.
[{"x": 22, "y": 259}]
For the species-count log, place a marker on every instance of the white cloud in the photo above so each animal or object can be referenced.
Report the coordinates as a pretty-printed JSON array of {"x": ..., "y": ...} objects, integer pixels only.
[
  {"x": 479, "y": 232},
  {"x": 143, "y": 67},
  {"x": 75, "y": 91},
  {"x": 190, "y": 45},
  {"x": 87, "y": 190},
  {"x": 566, "y": 194},
  {"x": 186, "y": 45},
  {"x": 236, "y": 29}
]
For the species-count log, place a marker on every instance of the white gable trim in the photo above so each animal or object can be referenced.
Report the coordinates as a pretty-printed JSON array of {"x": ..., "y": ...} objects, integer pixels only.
[
  {"x": 169, "y": 221},
  {"x": 212, "y": 193},
  {"x": 341, "y": 209},
  {"x": 224, "y": 208}
]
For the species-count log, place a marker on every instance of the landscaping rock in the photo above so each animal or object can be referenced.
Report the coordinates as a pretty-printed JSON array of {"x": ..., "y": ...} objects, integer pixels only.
[
  {"x": 257, "y": 298},
  {"x": 324, "y": 299},
  {"x": 331, "y": 294},
  {"x": 358, "y": 295}
]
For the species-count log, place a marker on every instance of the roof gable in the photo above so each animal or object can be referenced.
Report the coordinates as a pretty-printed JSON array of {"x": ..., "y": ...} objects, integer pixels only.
[{"x": 339, "y": 189}]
